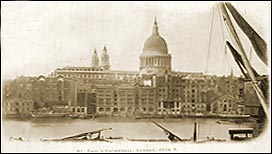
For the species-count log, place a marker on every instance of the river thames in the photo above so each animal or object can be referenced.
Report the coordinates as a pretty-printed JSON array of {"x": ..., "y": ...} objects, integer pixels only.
[
  {"x": 33, "y": 130},
  {"x": 36, "y": 129}
]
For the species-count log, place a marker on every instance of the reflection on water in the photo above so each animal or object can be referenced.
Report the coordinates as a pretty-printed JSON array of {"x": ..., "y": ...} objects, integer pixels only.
[{"x": 35, "y": 129}]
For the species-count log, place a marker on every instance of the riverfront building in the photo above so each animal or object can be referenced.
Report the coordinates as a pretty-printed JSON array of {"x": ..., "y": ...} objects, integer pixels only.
[{"x": 155, "y": 90}]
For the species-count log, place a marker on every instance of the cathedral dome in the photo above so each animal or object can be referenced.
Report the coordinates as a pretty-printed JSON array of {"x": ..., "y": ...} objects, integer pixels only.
[
  {"x": 155, "y": 44},
  {"x": 155, "y": 58}
]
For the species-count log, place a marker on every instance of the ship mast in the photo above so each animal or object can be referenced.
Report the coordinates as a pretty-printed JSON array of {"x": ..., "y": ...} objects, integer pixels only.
[{"x": 244, "y": 58}]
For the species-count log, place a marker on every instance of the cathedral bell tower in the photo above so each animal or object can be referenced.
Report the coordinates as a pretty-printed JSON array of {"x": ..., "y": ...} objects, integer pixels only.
[
  {"x": 95, "y": 59},
  {"x": 105, "y": 62}
]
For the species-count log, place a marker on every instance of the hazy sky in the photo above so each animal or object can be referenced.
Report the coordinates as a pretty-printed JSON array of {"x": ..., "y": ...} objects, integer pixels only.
[{"x": 38, "y": 37}]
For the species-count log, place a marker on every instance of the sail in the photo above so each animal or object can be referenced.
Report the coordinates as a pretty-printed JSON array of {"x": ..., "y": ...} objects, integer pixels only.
[
  {"x": 239, "y": 61},
  {"x": 244, "y": 58},
  {"x": 257, "y": 42}
]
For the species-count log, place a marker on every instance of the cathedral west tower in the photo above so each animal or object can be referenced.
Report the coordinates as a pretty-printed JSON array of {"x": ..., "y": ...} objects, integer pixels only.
[{"x": 95, "y": 59}]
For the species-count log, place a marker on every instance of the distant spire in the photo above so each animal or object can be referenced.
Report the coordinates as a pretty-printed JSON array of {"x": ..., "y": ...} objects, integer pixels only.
[{"x": 155, "y": 27}]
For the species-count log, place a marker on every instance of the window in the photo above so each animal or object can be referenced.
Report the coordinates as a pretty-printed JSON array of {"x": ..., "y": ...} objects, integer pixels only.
[
  {"x": 82, "y": 109},
  {"x": 122, "y": 101},
  {"x": 123, "y": 109},
  {"x": 115, "y": 110},
  {"x": 108, "y": 101},
  {"x": 144, "y": 109},
  {"x": 225, "y": 107},
  {"x": 129, "y": 101},
  {"x": 101, "y": 109},
  {"x": 144, "y": 101}
]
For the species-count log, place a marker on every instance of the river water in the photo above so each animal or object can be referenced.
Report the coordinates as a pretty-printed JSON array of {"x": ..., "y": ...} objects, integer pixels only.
[{"x": 35, "y": 129}]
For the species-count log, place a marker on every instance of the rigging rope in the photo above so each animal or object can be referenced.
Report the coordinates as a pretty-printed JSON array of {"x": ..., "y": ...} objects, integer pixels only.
[
  {"x": 209, "y": 45},
  {"x": 221, "y": 25},
  {"x": 208, "y": 53},
  {"x": 229, "y": 34},
  {"x": 226, "y": 60}
]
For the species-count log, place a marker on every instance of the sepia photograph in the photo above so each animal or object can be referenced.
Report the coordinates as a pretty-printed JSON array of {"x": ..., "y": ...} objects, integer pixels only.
[{"x": 135, "y": 77}]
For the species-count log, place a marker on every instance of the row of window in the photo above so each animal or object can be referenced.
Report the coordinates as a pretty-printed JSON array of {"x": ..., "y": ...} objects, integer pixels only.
[
  {"x": 155, "y": 61},
  {"x": 104, "y": 91},
  {"x": 183, "y": 106},
  {"x": 19, "y": 110},
  {"x": 146, "y": 93},
  {"x": 164, "y": 110},
  {"x": 78, "y": 109},
  {"x": 124, "y": 109},
  {"x": 19, "y": 103},
  {"x": 152, "y": 95},
  {"x": 84, "y": 69},
  {"x": 147, "y": 96},
  {"x": 128, "y": 101},
  {"x": 180, "y": 81},
  {"x": 230, "y": 105},
  {"x": 125, "y": 94},
  {"x": 162, "y": 96},
  {"x": 93, "y": 76}
]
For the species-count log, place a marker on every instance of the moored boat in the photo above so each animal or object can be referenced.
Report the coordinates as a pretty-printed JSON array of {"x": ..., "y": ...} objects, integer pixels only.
[{"x": 233, "y": 116}]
